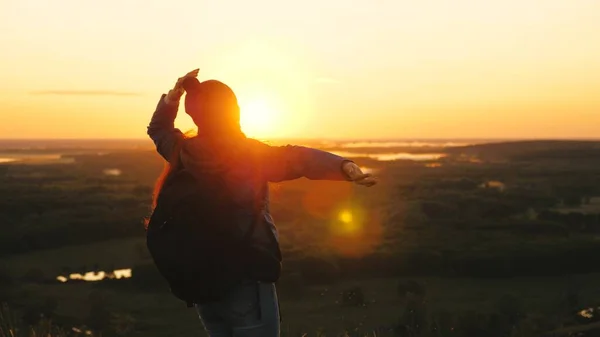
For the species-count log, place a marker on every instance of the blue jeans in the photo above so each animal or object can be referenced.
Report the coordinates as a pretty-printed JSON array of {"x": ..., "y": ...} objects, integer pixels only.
[{"x": 249, "y": 310}]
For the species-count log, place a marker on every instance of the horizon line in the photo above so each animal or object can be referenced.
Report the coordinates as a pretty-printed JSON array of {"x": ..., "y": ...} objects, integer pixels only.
[{"x": 371, "y": 139}]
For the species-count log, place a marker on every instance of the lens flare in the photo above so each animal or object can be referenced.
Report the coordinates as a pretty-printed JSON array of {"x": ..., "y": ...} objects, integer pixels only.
[
  {"x": 348, "y": 224},
  {"x": 345, "y": 216},
  {"x": 355, "y": 232}
]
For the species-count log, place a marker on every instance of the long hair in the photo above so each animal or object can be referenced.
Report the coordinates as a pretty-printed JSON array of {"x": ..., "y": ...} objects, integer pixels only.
[{"x": 170, "y": 166}]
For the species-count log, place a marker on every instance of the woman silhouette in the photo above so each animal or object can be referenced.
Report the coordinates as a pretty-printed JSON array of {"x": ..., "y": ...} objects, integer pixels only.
[{"x": 220, "y": 149}]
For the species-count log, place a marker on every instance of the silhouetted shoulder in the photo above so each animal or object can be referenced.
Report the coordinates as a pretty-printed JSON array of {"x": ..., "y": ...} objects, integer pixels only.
[{"x": 257, "y": 145}]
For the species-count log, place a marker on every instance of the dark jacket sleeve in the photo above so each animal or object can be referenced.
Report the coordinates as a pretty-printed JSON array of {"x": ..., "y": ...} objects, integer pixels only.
[
  {"x": 162, "y": 129},
  {"x": 291, "y": 162}
]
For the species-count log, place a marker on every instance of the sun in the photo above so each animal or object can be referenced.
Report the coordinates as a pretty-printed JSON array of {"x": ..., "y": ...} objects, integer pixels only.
[{"x": 258, "y": 117}]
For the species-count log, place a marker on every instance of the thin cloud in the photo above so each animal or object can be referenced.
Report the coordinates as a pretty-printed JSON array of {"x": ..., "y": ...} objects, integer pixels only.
[
  {"x": 327, "y": 80},
  {"x": 85, "y": 93}
]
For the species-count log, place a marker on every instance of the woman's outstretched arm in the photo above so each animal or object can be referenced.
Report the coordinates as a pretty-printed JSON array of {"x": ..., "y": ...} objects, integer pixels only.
[{"x": 292, "y": 162}]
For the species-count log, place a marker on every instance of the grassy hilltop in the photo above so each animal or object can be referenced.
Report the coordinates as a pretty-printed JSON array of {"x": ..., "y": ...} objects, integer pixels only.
[{"x": 496, "y": 237}]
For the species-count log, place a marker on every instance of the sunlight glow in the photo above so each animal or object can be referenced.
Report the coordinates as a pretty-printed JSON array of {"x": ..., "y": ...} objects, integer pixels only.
[
  {"x": 274, "y": 84},
  {"x": 258, "y": 117},
  {"x": 419, "y": 73}
]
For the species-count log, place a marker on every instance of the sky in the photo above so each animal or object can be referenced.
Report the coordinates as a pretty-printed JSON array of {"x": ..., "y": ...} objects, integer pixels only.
[{"x": 306, "y": 69}]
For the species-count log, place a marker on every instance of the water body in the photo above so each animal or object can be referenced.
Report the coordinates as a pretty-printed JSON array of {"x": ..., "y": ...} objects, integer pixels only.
[
  {"x": 415, "y": 144},
  {"x": 391, "y": 156},
  {"x": 35, "y": 158},
  {"x": 96, "y": 276},
  {"x": 494, "y": 184},
  {"x": 112, "y": 172}
]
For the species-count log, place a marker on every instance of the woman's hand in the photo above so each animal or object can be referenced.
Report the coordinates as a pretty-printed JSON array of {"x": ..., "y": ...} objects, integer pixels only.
[
  {"x": 175, "y": 94},
  {"x": 357, "y": 176}
]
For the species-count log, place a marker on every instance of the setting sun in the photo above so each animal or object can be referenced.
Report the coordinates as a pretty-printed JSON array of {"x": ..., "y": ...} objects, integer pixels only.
[{"x": 257, "y": 117}]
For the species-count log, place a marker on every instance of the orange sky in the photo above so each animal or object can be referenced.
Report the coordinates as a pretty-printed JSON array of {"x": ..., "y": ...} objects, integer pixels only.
[{"x": 333, "y": 68}]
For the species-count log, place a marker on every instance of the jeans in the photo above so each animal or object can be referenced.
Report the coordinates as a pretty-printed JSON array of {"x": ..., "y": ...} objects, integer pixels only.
[{"x": 249, "y": 310}]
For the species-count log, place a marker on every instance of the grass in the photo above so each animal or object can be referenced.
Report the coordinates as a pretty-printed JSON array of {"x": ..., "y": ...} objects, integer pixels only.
[
  {"x": 593, "y": 207},
  {"x": 304, "y": 308},
  {"x": 11, "y": 326},
  {"x": 159, "y": 314},
  {"x": 508, "y": 320},
  {"x": 81, "y": 203}
]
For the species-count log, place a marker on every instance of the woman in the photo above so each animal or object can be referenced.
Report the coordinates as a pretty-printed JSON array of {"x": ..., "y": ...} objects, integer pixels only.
[{"x": 222, "y": 151}]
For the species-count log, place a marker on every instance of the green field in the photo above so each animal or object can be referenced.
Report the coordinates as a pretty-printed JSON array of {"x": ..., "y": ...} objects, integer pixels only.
[
  {"x": 494, "y": 240},
  {"x": 305, "y": 308}
]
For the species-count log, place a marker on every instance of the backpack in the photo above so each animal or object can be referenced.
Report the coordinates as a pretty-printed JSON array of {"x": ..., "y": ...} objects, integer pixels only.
[{"x": 195, "y": 241}]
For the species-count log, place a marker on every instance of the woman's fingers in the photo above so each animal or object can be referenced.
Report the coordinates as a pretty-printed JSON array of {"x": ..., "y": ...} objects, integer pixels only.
[
  {"x": 179, "y": 83},
  {"x": 368, "y": 182},
  {"x": 193, "y": 73},
  {"x": 360, "y": 176},
  {"x": 177, "y": 91},
  {"x": 365, "y": 180}
]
